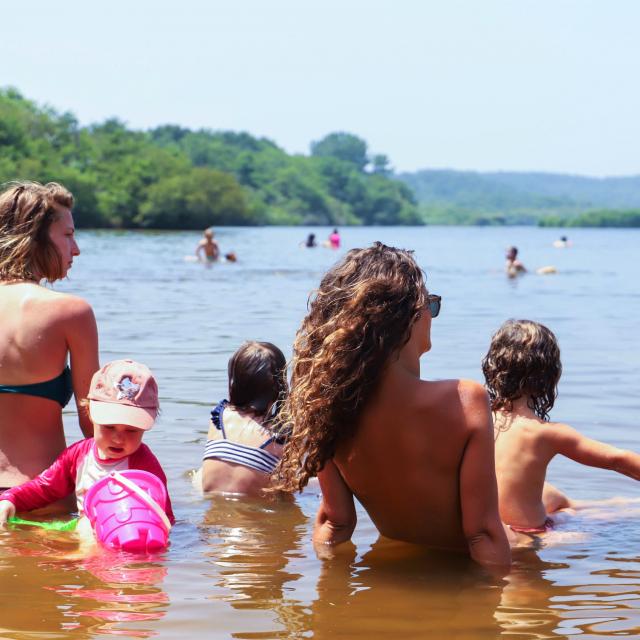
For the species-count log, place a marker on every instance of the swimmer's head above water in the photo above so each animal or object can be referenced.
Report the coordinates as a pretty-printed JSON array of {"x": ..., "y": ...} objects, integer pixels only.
[
  {"x": 523, "y": 361},
  {"x": 512, "y": 253}
]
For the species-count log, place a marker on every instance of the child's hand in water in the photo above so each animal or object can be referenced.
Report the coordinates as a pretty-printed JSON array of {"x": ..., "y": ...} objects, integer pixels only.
[{"x": 7, "y": 510}]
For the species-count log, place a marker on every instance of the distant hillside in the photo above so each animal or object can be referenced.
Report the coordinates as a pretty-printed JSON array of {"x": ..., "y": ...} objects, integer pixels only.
[{"x": 507, "y": 197}]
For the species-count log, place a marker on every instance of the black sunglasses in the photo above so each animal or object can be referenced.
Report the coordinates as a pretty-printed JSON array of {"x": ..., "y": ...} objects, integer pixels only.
[{"x": 434, "y": 303}]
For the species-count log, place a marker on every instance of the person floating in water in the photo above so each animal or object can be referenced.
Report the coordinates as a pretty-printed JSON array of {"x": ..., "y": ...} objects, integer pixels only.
[
  {"x": 334, "y": 239},
  {"x": 513, "y": 266},
  {"x": 562, "y": 243},
  {"x": 522, "y": 369},
  {"x": 311, "y": 241},
  {"x": 208, "y": 246}
]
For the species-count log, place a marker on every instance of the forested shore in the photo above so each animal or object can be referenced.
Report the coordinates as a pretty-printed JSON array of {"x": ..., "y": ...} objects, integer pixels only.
[
  {"x": 596, "y": 218},
  {"x": 173, "y": 178}
]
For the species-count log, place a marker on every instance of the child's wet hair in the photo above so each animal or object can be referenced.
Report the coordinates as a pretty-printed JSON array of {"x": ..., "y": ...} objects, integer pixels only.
[
  {"x": 257, "y": 377},
  {"x": 523, "y": 361}
]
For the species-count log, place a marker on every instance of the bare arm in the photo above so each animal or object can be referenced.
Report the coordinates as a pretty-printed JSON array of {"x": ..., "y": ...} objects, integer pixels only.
[
  {"x": 571, "y": 443},
  {"x": 484, "y": 532},
  {"x": 336, "y": 517},
  {"x": 82, "y": 341}
]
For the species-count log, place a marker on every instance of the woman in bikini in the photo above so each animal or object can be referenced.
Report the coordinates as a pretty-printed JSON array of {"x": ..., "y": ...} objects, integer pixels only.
[
  {"x": 41, "y": 330},
  {"x": 522, "y": 369},
  {"x": 417, "y": 454},
  {"x": 242, "y": 447}
]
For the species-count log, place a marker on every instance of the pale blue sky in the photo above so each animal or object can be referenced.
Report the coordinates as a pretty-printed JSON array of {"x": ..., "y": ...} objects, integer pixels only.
[{"x": 548, "y": 85}]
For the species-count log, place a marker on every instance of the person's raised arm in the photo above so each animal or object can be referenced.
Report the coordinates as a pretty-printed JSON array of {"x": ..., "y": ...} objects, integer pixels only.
[
  {"x": 336, "y": 517},
  {"x": 572, "y": 444},
  {"x": 82, "y": 341},
  {"x": 481, "y": 524}
]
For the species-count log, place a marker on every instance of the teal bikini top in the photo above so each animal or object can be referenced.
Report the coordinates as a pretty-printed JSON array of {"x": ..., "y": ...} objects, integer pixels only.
[{"x": 59, "y": 388}]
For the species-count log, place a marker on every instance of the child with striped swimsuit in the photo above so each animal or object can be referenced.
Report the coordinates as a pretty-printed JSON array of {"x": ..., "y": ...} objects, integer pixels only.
[{"x": 242, "y": 450}]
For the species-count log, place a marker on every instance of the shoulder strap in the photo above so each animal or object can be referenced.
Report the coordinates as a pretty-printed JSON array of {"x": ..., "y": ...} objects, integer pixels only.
[{"x": 216, "y": 416}]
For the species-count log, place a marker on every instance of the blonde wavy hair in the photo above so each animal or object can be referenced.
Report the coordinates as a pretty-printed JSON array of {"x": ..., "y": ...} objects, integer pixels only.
[
  {"x": 523, "y": 361},
  {"x": 27, "y": 210},
  {"x": 360, "y": 316}
]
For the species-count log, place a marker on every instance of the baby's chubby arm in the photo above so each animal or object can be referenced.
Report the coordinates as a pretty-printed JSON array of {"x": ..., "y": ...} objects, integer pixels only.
[
  {"x": 572, "y": 444},
  {"x": 7, "y": 510}
]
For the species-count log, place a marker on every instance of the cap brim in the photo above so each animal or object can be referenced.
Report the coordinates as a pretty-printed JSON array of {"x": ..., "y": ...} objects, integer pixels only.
[{"x": 115, "y": 413}]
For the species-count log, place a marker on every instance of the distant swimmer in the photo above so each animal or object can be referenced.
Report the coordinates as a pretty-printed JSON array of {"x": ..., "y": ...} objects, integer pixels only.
[
  {"x": 334, "y": 239},
  {"x": 310, "y": 242},
  {"x": 209, "y": 247},
  {"x": 513, "y": 266},
  {"x": 545, "y": 271},
  {"x": 562, "y": 243},
  {"x": 231, "y": 257}
]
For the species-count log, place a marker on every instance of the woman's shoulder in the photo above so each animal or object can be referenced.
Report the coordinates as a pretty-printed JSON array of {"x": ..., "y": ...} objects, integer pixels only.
[
  {"x": 459, "y": 403},
  {"x": 45, "y": 303},
  {"x": 465, "y": 392},
  {"x": 66, "y": 305}
]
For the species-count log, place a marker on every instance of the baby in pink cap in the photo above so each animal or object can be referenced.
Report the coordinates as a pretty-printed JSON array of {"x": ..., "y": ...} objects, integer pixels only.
[{"x": 123, "y": 404}]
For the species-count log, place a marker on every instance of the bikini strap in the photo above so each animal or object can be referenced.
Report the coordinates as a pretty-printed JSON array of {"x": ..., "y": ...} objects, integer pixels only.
[
  {"x": 216, "y": 416},
  {"x": 279, "y": 437},
  {"x": 267, "y": 442}
]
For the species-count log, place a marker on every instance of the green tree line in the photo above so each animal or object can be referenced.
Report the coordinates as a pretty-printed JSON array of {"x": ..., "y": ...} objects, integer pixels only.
[
  {"x": 171, "y": 177},
  {"x": 596, "y": 218}
]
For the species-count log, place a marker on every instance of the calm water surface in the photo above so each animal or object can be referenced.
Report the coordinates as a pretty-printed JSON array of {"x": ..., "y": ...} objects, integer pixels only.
[{"x": 246, "y": 569}]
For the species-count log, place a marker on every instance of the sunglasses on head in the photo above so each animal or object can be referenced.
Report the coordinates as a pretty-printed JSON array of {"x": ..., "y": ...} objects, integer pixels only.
[{"x": 434, "y": 303}]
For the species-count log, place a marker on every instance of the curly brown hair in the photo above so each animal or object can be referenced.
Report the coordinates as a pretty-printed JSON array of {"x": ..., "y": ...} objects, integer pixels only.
[
  {"x": 360, "y": 316},
  {"x": 27, "y": 210},
  {"x": 523, "y": 360}
]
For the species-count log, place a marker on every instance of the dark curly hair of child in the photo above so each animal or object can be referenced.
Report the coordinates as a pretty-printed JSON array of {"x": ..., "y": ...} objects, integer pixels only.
[{"x": 523, "y": 361}]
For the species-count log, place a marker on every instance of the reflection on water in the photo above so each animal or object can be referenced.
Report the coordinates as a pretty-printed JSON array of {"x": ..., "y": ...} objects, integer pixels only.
[
  {"x": 400, "y": 590},
  {"x": 247, "y": 569},
  {"x": 70, "y": 588},
  {"x": 250, "y": 544}
]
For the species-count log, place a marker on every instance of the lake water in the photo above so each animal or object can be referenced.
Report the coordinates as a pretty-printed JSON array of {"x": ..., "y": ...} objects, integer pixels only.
[{"x": 246, "y": 569}]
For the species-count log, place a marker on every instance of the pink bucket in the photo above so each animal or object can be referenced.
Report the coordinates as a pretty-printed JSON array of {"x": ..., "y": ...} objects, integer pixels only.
[{"x": 126, "y": 511}]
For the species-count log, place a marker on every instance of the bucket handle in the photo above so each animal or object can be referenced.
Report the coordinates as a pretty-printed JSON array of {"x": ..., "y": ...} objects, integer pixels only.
[{"x": 144, "y": 496}]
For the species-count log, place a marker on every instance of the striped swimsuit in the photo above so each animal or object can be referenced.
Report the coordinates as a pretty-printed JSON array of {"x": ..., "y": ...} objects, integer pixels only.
[{"x": 223, "y": 449}]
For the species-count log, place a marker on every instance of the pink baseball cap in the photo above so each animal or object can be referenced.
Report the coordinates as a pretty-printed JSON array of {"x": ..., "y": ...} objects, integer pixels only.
[{"x": 124, "y": 392}]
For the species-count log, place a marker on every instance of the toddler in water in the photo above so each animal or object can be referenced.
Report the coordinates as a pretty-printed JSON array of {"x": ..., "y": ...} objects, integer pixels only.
[
  {"x": 522, "y": 369},
  {"x": 123, "y": 404},
  {"x": 242, "y": 449}
]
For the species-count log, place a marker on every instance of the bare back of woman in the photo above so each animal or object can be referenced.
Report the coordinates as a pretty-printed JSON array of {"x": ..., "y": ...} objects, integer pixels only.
[
  {"x": 418, "y": 455},
  {"x": 40, "y": 328},
  {"x": 416, "y": 433}
]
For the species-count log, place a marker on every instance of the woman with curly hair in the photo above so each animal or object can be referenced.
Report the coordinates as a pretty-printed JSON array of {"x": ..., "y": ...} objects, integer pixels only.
[
  {"x": 522, "y": 369},
  {"x": 40, "y": 329},
  {"x": 418, "y": 455}
]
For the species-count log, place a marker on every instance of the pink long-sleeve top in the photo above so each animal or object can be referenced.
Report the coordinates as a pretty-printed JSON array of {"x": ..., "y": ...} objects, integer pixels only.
[{"x": 77, "y": 468}]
